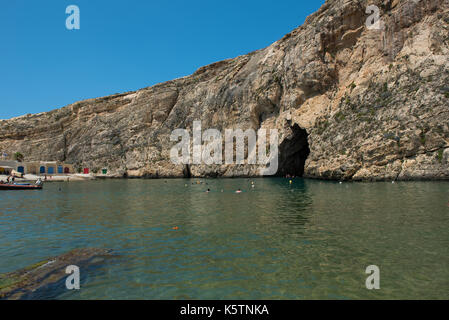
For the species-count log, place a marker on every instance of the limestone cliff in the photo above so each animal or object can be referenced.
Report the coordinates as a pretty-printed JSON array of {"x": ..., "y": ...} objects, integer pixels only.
[{"x": 350, "y": 102}]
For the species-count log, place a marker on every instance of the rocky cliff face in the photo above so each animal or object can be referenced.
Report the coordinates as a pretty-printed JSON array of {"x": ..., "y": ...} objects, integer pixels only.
[{"x": 350, "y": 102}]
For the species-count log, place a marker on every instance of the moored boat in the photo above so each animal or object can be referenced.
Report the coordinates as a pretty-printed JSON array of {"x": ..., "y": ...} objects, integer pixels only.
[{"x": 20, "y": 186}]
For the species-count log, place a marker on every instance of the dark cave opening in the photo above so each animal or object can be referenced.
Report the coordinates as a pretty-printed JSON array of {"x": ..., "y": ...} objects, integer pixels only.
[
  {"x": 293, "y": 153},
  {"x": 186, "y": 172}
]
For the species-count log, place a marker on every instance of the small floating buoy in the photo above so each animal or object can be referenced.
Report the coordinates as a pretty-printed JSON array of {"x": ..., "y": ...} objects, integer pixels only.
[
  {"x": 341, "y": 182},
  {"x": 175, "y": 228},
  {"x": 291, "y": 182}
]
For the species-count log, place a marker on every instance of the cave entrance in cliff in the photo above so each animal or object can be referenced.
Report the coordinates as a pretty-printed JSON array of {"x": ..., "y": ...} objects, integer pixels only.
[
  {"x": 186, "y": 172},
  {"x": 293, "y": 153}
]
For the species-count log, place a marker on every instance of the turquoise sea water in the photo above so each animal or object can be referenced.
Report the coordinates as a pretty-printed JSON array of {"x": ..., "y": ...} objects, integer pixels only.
[{"x": 308, "y": 240}]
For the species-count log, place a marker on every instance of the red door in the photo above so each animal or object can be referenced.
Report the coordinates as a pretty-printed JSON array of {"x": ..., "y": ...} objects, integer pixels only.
[{"x": 86, "y": 170}]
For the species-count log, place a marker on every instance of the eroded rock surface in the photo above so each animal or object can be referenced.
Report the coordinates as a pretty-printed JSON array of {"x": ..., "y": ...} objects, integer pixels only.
[
  {"x": 25, "y": 283},
  {"x": 373, "y": 103}
]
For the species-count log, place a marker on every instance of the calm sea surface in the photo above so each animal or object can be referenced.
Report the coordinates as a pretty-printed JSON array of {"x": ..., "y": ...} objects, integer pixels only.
[{"x": 308, "y": 240}]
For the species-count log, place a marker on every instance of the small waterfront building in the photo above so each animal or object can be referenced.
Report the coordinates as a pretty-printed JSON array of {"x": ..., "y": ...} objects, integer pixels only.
[
  {"x": 32, "y": 167},
  {"x": 6, "y": 167},
  {"x": 6, "y": 170},
  {"x": 35, "y": 167},
  {"x": 68, "y": 168},
  {"x": 50, "y": 167}
]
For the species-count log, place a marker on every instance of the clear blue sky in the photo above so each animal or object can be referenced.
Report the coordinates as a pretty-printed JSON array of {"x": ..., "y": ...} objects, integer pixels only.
[{"x": 125, "y": 45}]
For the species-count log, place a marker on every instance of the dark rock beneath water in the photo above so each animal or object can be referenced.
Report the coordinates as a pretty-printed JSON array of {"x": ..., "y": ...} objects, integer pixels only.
[{"x": 24, "y": 283}]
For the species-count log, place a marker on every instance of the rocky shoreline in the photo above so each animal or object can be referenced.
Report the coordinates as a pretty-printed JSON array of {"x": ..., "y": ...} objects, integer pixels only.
[
  {"x": 350, "y": 103},
  {"x": 371, "y": 179}
]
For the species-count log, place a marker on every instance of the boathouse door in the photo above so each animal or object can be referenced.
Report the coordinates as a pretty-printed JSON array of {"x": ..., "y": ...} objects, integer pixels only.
[{"x": 42, "y": 169}]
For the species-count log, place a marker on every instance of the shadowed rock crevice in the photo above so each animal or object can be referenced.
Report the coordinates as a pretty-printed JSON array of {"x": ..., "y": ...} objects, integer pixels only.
[
  {"x": 187, "y": 173},
  {"x": 293, "y": 153}
]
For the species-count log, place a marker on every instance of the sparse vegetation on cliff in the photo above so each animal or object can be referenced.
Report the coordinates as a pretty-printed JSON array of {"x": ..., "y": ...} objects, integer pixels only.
[
  {"x": 310, "y": 74},
  {"x": 18, "y": 156}
]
